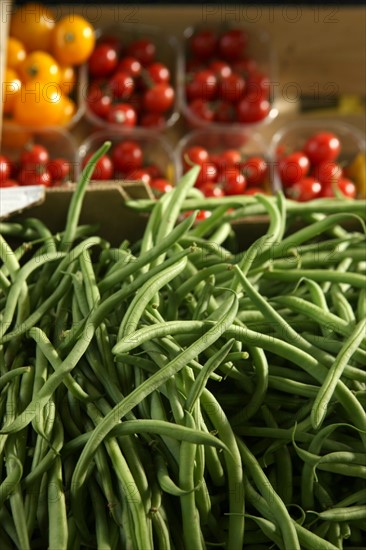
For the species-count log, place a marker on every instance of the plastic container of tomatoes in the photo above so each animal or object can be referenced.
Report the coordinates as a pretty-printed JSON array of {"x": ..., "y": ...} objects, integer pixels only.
[
  {"x": 137, "y": 156},
  {"x": 318, "y": 159},
  {"x": 241, "y": 93},
  {"x": 237, "y": 163},
  {"x": 167, "y": 52},
  {"x": 59, "y": 144}
]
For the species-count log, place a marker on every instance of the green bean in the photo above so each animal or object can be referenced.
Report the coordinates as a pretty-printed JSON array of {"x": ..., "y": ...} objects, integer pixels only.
[
  {"x": 161, "y": 530},
  {"x": 190, "y": 519},
  {"x": 318, "y": 275},
  {"x": 234, "y": 469},
  {"x": 15, "y": 472},
  {"x": 334, "y": 374},
  {"x": 8, "y": 376},
  {"x": 58, "y": 531},
  {"x": 280, "y": 513},
  {"x": 155, "y": 381},
  {"x": 348, "y": 513},
  {"x": 110, "y": 280},
  {"x": 200, "y": 382},
  {"x": 74, "y": 210},
  {"x": 335, "y": 346}
]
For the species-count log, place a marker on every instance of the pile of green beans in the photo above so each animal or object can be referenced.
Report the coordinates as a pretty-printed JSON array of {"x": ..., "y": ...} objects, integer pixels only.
[{"x": 180, "y": 392}]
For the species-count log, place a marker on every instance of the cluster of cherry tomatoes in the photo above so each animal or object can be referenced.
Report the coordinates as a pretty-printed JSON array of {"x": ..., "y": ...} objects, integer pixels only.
[
  {"x": 313, "y": 172},
  {"x": 34, "y": 167},
  {"x": 129, "y": 86},
  {"x": 126, "y": 160},
  {"x": 42, "y": 56},
  {"x": 223, "y": 83},
  {"x": 228, "y": 172}
]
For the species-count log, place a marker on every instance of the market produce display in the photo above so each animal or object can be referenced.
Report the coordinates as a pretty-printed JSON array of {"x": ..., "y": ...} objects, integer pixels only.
[
  {"x": 129, "y": 85},
  {"x": 43, "y": 57},
  {"x": 181, "y": 391},
  {"x": 315, "y": 171},
  {"x": 223, "y": 82},
  {"x": 35, "y": 167},
  {"x": 228, "y": 172}
]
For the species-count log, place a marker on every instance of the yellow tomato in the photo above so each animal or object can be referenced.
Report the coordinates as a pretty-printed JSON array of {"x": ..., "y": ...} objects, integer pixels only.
[
  {"x": 11, "y": 88},
  {"x": 67, "y": 78},
  {"x": 33, "y": 24},
  {"x": 40, "y": 104},
  {"x": 39, "y": 66},
  {"x": 73, "y": 40},
  {"x": 15, "y": 52},
  {"x": 69, "y": 110}
]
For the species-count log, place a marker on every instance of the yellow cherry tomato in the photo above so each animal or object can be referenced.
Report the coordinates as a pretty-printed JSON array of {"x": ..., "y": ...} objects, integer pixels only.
[
  {"x": 40, "y": 104},
  {"x": 11, "y": 88},
  {"x": 15, "y": 52},
  {"x": 33, "y": 24},
  {"x": 73, "y": 40},
  {"x": 67, "y": 78},
  {"x": 69, "y": 110},
  {"x": 39, "y": 66}
]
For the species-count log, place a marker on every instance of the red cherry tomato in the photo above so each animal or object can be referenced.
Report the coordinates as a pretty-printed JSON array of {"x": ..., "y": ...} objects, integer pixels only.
[
  {"x": 255, "y": 170},
  {"x": 143, "y": 49},
  {"x": 203, "y": 44},
  {"x": 220, "y": 68},
  {"x": 122, "y": 114},
  {"x": 111, "y": 41},
  {"x": 59, "y": 169},
  {"x": 160, "y": 186},
  {"x": 203, "y": 215},
  {"x": 127, "y": 156},
  {"x": 34, "y": 175},
  {"x": 140, "y": 174},
  {"x": 231, "y": 88},
  {"x": 99, "y": 101},
  {"x": 232, "y": 44},
  {"x": 344, "y": 185},
  {"x": 202, "y": 85},
  {"x": 322, "y": 147},
  {"x": 230, "y": 158},
  {"x": 153, "y": 170},
  {"x": 103, "y": 61},
  {"x": 327, "y": 172},
  {"x": 33, "y": 155},
  {"x": 130, "y": 65},
  {"x": 234, "y": 182},
  {"x": 159, "y": 98},
  {"x": 258, "y": 86},
  {"x": 293, "y": 168},
  {"x": 252, "y": 111},
  {"x": 207, "y": 173},
  {"x": 103, "y": 169},
  {"x": 306, "y": 189},
  {"x": 244, "y": 66},
  {"x": 158, "y": 72},
  {"x": 195, "y": 155},
  {"x": 210, "y": 189},
  {"x": 202, "y": 109},
  {"x": 121, "y": 85},
  {"x": 4, "y": 168}
]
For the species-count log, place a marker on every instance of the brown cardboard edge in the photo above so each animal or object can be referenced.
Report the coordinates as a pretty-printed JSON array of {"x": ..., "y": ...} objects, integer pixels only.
[{"x": 104, "y": 205}]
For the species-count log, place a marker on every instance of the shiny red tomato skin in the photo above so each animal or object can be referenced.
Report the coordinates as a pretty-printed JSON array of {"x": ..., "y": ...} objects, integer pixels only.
[
  {"x": 203, "y": 44},
  {"x": 255, "y": 170},
  {"x": 127, "y": 156},
  {"x": 34, "y": 155},
  {"x": 122, "y": 114},
  {"x": 143, "y": 50},
  {"x": 306, "y": 189},
  {"x": 159, "y": 98},
  {"x": 103, "y": 61},
  {"x": 103, "y": 169},
  {"x": 293, "y": 168},
  {"x": 36, "y": 175},
  {"x": 249, "y": 111},
  {"x": 322, "y": 147},
  {"x": 4, "y": 168}
]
